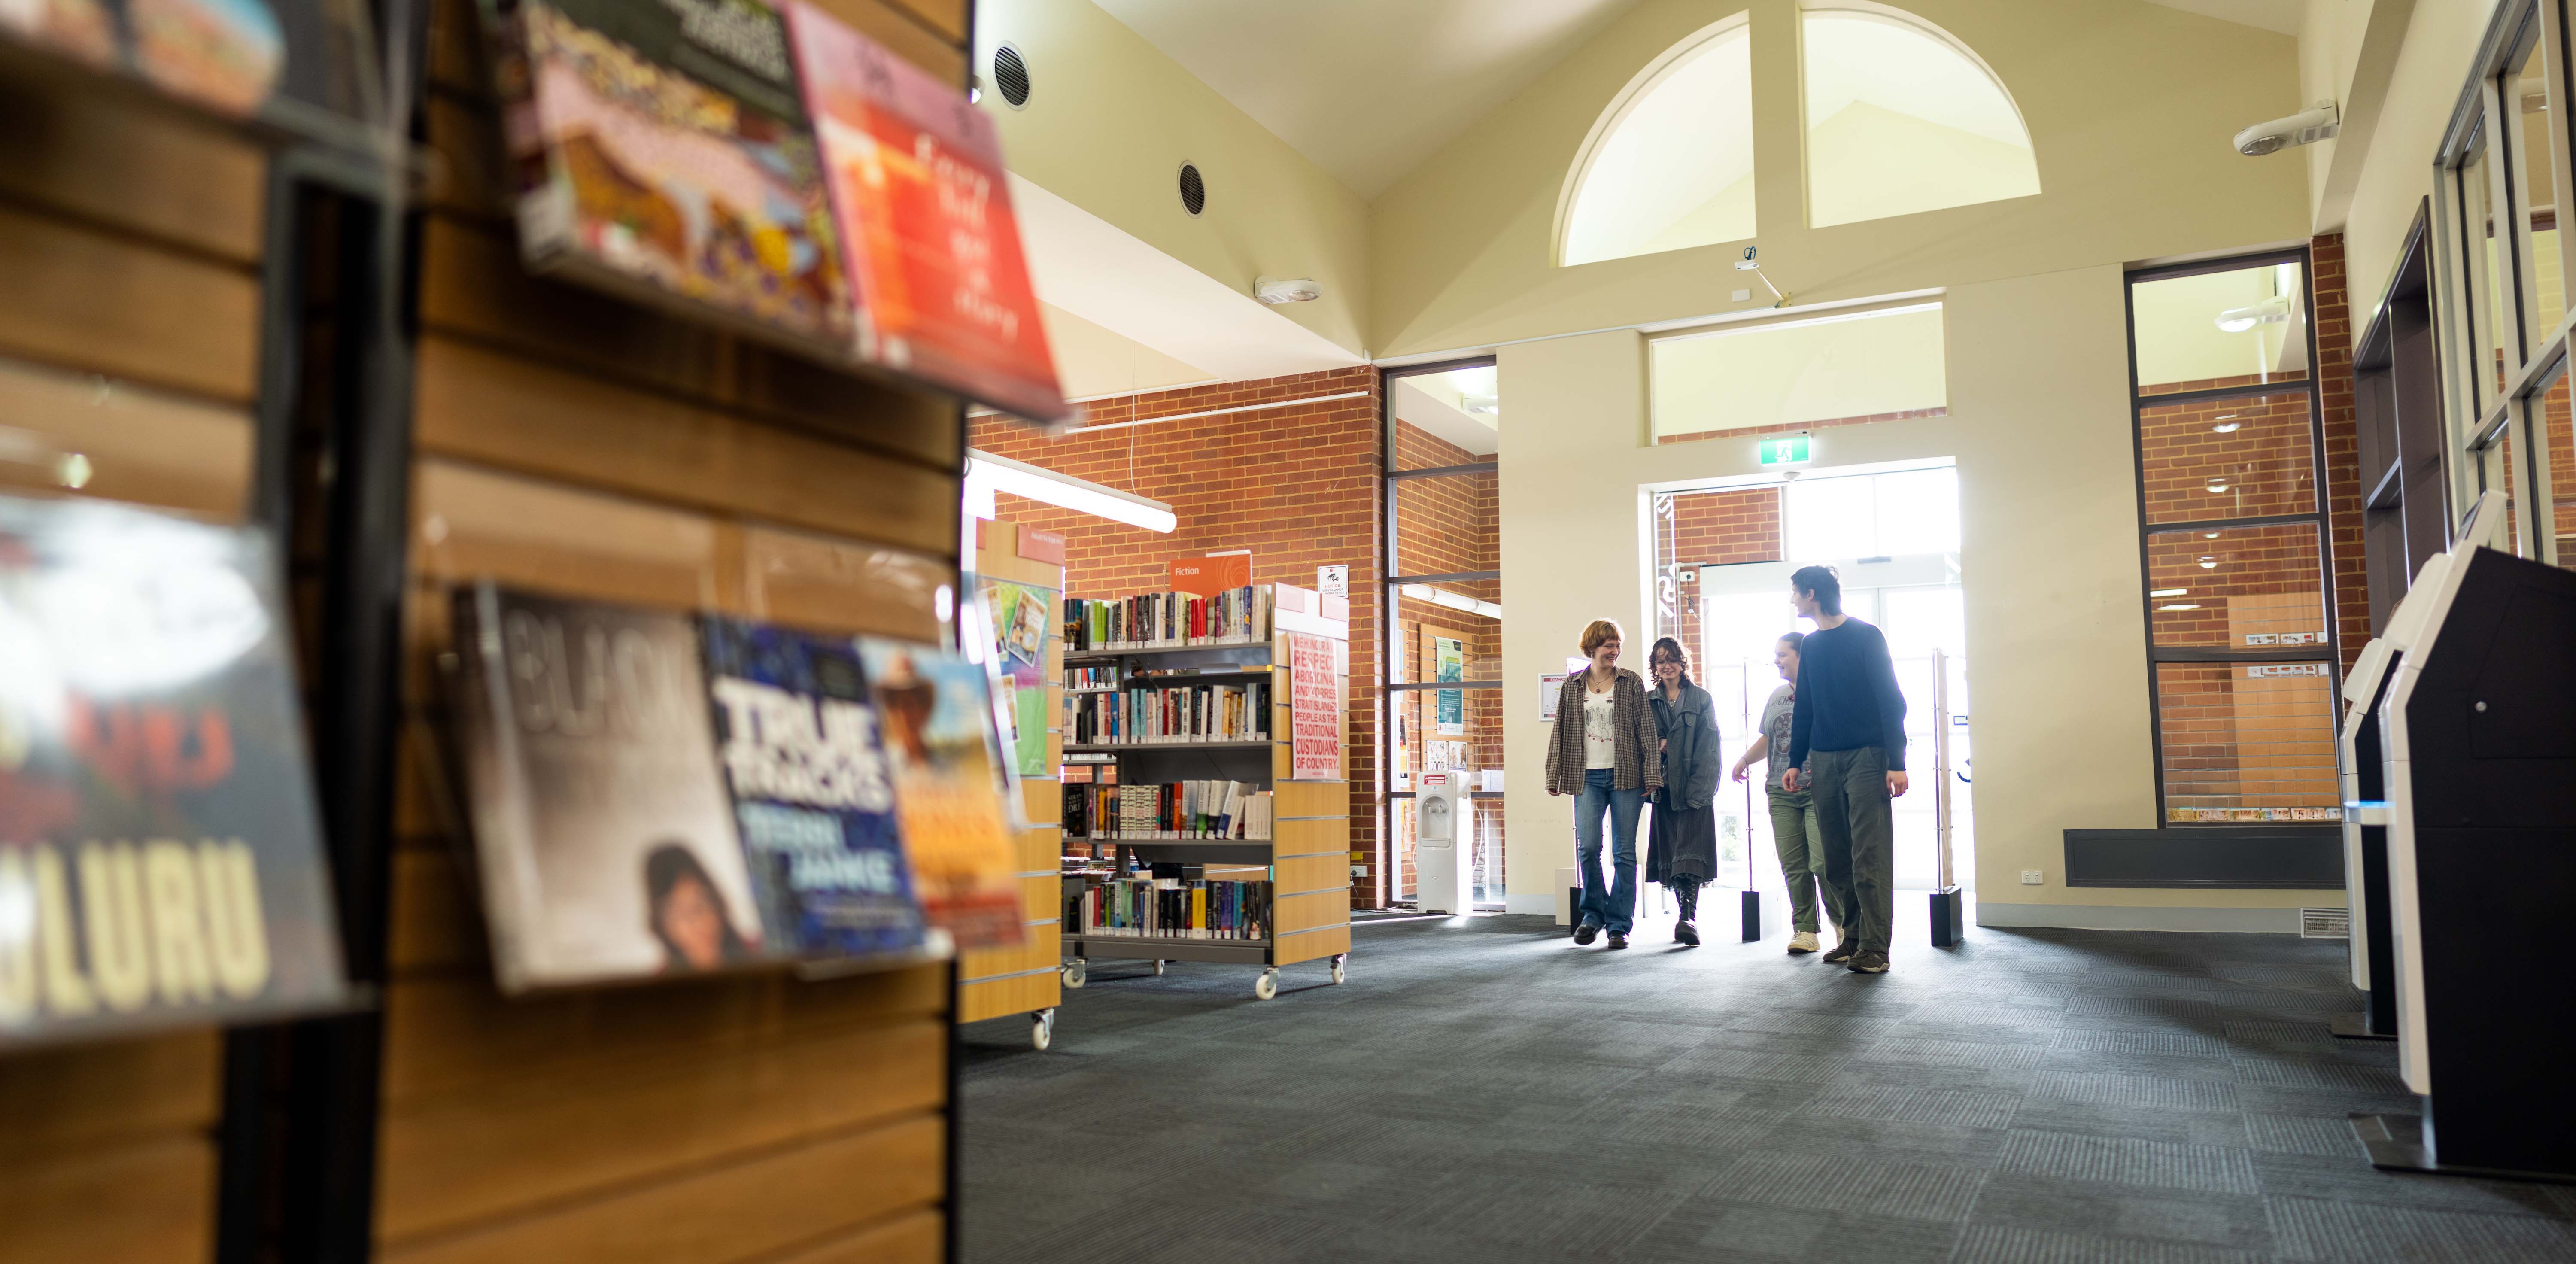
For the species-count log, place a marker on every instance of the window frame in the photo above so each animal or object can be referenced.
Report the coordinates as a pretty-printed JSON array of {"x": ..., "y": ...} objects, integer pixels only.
[
  {"x": 2331, "y": 651},
  {"x": 1616, "y": 114},
  {"x": 2532, "y": 359},
  {"x": 1940, "y": 34},
  {"x": 1390, "y": 627}
]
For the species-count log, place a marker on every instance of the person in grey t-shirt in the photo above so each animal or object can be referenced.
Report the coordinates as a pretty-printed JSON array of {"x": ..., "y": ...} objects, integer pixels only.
[{"x": 1793, "y": 812}]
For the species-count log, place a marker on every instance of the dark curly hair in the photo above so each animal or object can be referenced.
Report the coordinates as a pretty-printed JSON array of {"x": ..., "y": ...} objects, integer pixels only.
[{"x": 1666, "y": 645}]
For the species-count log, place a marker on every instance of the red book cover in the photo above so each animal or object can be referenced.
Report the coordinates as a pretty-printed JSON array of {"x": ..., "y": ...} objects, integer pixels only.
[{"x": 917, "y": 186}]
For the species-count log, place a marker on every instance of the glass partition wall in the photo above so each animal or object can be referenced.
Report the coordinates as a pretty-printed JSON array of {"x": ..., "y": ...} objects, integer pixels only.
[
  {"x": 2501, "y": 280},
  {"x": 1442, "y": 665},
  {"x": 2238, "y": 593}
]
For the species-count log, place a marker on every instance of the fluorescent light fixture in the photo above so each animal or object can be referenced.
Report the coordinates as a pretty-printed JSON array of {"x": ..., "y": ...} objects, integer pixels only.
[
  {"x": 2271, "y": 311},
  {"x": 1453, "y": 600},
  {"x": 2181, "y": 605},
  {"x": 987, "y": 474},
  {"x": 2169, "y": 592}
]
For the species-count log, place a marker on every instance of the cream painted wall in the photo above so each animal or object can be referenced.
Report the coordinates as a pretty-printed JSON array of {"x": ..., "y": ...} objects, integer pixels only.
[
  {"x": 2130, "y": 104},
  {"x": 1092, "y": 361},
  {"x": 1110, "y": 120},
  {"x": 2039, "y": 427},
  {"x": 2427, "y": 71},
  {"x": 1771, "y": 375}
]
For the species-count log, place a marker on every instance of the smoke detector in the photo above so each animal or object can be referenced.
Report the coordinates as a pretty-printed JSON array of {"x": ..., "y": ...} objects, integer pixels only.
[{"x": 1274, "y": 291}]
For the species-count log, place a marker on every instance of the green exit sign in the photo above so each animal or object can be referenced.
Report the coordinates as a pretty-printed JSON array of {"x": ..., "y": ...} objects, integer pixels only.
[{"x": 1785, "y": 450}]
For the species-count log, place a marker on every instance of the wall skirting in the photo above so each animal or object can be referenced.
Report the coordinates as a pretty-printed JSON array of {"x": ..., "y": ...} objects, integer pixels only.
[{"x": 2268, "y": 921}]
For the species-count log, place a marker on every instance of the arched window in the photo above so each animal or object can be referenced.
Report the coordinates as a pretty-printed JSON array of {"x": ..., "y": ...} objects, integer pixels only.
[
  {"x": 1670, "y": 164},
  {"x": 1902, "y": 118}
]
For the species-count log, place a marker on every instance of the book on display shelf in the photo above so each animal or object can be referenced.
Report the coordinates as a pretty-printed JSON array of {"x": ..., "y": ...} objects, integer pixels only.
[
  {"x": 941, "y": 733},
  {"x": 663, "y": 153},
  {"x": 602, "y": 827},
  {"x": 1169, "y": 714},
  {"x": 1169, "y": 620},
  {"x": 1136, "y": 812},
  {"x": 813, "y": 798},
  {"x": 1170, "y": 908},
  {"x": 301, "y": 65},
  {"x": 939, "y": 286},
  {"x": 161, "y": 858}
]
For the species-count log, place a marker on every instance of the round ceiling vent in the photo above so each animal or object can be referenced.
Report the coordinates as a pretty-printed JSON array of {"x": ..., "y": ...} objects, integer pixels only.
[
  {"x": 1193, "y": 189},
  {"x": 1011, "y": 77}
]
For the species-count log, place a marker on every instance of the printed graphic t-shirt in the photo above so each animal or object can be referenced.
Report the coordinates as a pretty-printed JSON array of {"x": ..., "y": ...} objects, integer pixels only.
[
  {"x": 1600, "y": 746},
  {"x": 1776, "y": 715}
]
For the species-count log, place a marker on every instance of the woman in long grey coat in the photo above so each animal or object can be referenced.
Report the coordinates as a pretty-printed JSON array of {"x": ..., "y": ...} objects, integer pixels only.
[{"x": 1683, "y": 852}]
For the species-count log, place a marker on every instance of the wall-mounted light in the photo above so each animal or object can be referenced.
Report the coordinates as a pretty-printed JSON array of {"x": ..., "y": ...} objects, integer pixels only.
[
  {"x": 987, "y": 474},
  {"x": 1452, "y": 600}
]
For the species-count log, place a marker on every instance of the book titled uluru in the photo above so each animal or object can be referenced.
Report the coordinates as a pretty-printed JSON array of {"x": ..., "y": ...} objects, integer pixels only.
[
  {"x": 160, "y": 854},
  {"x": 664, "y": 153}
]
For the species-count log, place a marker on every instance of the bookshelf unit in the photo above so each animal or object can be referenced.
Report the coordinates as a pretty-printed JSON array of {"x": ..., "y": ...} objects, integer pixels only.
[
  {"x": 1307, "y": 857},
  {"x": 999, "y": 982}
]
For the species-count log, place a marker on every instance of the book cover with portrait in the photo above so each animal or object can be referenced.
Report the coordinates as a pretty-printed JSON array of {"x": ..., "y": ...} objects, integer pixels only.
[
  {"x": 937, "y": 710},
  {"x": 813, "y": 795},
  {"x": 161, "y": 861},
  {"x": 603, "y": 834}
]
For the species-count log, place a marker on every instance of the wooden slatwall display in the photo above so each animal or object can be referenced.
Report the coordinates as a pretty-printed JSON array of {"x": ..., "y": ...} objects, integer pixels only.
[
  {"x": 571, "y": 443},
  {"x": 1310, "y": 820},
  {"x": 130, "y": 244},
  {"x": 997, "y": 982}
]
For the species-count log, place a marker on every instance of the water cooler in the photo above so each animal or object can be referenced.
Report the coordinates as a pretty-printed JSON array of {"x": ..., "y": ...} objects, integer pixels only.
[{"x": 1444, "y": 853}]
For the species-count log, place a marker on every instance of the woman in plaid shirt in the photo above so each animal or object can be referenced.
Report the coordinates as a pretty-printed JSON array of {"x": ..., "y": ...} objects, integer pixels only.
[{"x": 1605, "y": 753}]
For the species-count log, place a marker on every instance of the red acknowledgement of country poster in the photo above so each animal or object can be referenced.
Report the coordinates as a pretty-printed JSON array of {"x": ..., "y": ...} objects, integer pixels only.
[{"x": 933, "y": 251}]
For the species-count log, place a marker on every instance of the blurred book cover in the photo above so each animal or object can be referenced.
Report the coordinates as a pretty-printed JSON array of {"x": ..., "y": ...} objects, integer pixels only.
[
  {"x": 160, "y": 854},
  {"x": 664, "y": 153},
  {"x": 234, "y": 57},
  {"x": 938, "y": 713},
  {"x": 813, "y": 796},
  {"x": 1019, "y": 614},
  {"x": 602, "y": 831},
  {"x": 939, "y": 285}
]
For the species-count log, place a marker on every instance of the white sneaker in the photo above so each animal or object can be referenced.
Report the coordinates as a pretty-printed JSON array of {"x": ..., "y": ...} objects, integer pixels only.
[{"x": 1803, "y": 941}]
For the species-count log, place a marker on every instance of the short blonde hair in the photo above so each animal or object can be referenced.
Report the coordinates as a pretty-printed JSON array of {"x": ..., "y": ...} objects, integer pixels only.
[{"x": 1599, "y": 630}]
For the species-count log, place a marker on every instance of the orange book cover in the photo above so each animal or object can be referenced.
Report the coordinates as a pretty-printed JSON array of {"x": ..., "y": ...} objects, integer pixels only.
[
  {"x": 1208, "y": 576},
  {"x": 937, "y": 277}
]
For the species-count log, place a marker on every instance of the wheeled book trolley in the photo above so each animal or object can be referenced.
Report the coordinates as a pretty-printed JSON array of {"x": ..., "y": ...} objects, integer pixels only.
[
  {"x": 1306, "y": 664},
  {"x": 1000, "y": 982}
]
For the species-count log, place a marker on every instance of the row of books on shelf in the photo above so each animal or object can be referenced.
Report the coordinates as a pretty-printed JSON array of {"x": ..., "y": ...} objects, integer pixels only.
[
  {"x": 1091, "y": 678},
  {"x": 1233, "y": 616},
  {"x": 658, "y": 793},
  {"x": 1169, "y": 810},
  {"x": 1169, "y": 714},
  {"x": 1171, "y": 908}
]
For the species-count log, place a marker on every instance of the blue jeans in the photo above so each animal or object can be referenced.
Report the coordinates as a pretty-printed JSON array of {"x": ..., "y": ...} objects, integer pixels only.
[{"x": 1611, "y": 906}]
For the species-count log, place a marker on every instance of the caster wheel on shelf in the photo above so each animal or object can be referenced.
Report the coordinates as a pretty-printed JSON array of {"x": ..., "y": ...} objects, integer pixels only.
[
  {"x": 1159, "y": 967},
  {"x": 1267, "y": 985},
  {"x": 1042, "y": 1029},
  {"x": 1341, "y": 967},
  {"x": 1076, "y": 972}
]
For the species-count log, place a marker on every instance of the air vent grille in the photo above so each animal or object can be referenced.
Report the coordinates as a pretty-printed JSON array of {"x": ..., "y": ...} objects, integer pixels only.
[
  {"x": 1193, "y": 189},
  {"x": 1011, "y": 77},
  {"x": 2325, "y": 923}
]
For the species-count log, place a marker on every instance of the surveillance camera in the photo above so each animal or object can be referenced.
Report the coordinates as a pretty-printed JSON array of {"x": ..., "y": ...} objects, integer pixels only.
[
  {"x": 2298, "y": 129},
  {"x": 1275, "y": 291},
  {"x": 1746, "y": 264}
]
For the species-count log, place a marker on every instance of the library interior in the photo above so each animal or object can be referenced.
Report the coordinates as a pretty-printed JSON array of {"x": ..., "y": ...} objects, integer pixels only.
[{"x": 881, "y": 631}]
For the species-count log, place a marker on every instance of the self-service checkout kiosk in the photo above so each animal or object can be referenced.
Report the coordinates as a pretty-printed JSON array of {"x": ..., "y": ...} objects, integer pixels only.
[
  {"x": 2478, "y": 745},
  {"x": 2365, "y": 809}
]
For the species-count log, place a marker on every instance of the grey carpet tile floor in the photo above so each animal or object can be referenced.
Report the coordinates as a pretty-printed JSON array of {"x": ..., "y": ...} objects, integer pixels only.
[{"x": 1482, "y": 1090}]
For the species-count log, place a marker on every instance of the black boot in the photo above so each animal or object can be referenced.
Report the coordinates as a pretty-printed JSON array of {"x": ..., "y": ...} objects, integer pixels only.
[{"x": 1687, "y": 895}]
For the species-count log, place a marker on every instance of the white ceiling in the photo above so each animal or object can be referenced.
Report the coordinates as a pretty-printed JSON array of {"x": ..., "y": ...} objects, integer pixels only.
[{"x": 1366, "y": 89}]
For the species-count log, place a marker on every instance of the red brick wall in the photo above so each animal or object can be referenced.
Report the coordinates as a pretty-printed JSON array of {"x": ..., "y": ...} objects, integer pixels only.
[
  {"x": 1444, "y": 526},
  {"x": 1297, "y": 484},
  {"x": 2332, "y": 310},
  {"x": 1713, "y": 529}
]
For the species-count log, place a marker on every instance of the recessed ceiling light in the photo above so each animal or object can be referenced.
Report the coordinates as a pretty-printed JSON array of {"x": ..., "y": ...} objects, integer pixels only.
[
  {"x": 2209, "y": 535},
  {"x": 2218, "y": 484},
  {"x": 2227, "y": 424},
  {"x": 2208, "y": 563}
]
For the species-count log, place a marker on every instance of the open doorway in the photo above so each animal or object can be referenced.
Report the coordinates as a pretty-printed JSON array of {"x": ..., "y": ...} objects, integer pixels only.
[{"x": 1725, "y": 553}]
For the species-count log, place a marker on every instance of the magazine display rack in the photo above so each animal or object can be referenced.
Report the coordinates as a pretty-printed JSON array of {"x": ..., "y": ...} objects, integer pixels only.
[
  {"x": 1306, "y": 859},
  {"x": 999, "y": 982}
]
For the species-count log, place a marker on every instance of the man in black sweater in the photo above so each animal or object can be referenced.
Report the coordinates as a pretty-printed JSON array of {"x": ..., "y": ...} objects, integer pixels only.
[{"x": 1847, "y": 745}]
